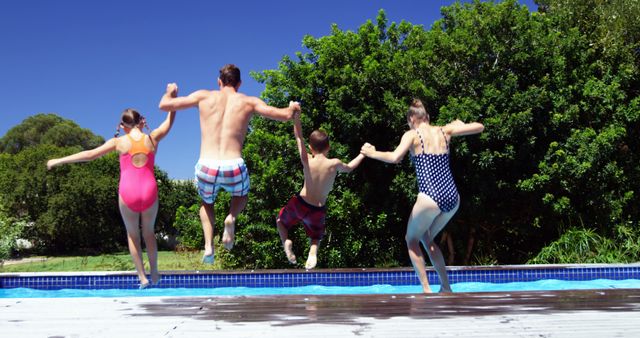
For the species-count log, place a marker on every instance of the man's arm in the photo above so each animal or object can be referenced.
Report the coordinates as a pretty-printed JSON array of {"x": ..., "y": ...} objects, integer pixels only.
[
  {"x": 302, "y": 148},
  {"x": 278, "y": 114},
  {"x": 347, "y": 168},
  {"x": 170, "y": 101}
]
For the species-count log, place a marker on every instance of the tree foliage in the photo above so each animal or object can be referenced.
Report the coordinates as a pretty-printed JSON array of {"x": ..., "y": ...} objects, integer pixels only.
[
  {"x": 554, "y": 174},
  {"x": 72, "y": 208},
  {"x": 47, "y": 129},
  {"x": 558, "y": 101}
]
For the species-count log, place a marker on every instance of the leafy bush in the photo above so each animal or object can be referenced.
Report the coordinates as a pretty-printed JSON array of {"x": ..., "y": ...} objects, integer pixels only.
[
  {"x": 10, "y": 231},
  {"x": 189, "y": 228}
]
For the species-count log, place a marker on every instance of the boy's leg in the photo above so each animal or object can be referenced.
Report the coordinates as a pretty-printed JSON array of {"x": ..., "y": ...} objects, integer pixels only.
[
  {"x": 131, "y": 221},
  {"x": 312, "y": 260},
  {"x": 207, "y": 218},
  {"x": 286, "y": 242},
  {"x": 238, "y": 203},
  {"x": 148, "y": 233}
]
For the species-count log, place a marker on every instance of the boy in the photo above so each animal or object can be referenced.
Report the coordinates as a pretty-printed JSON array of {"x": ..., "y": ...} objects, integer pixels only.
[{"x": 309, "y": 205}]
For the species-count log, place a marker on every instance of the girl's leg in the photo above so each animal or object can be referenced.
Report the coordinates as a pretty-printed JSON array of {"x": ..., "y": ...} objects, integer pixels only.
[
  {"x": 423, "y": 213},
  {"x": 434, "y": 252},
  {"x": 149, "y": 235},
  {"x": 132, "y": 223}
]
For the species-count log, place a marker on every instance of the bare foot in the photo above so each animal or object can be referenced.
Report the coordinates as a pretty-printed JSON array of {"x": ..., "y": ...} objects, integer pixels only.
[
  {"x": 144, "y": 283},
  {"x": 312, "y": 260},
  {"x": 445, "y": 290},
  {"x": 426, "y": 289},
  {"x": 289, "y": 252},
  {"x": 155, "y": 278},
  {"x": 229, "y": 232}
]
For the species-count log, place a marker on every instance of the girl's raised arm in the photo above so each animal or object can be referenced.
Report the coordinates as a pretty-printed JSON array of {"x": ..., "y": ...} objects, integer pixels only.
[{"x": 164, "y": 128}]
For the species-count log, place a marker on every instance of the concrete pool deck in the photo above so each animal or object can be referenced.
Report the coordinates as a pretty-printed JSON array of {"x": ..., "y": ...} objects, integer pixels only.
[{"x": 574, "y": 313}]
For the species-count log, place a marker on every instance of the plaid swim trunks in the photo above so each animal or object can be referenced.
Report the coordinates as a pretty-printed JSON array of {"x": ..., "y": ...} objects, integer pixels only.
[
  {"x": 231, "y": 175},
  {"x": 297, "y": 209}
]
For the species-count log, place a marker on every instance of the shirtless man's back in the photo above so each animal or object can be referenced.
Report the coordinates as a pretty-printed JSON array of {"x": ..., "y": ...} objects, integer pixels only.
[{"x": 224, "y": 121}]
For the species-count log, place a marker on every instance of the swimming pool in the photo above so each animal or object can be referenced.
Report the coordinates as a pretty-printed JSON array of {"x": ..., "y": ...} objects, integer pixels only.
[
  {"x": 541, "y": 285},
  {"x": 340, "y": 281}
]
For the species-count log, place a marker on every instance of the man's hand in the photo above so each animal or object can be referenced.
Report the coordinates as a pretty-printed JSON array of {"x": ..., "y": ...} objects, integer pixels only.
[
  {"x": 295, "y": 106},
  {"x": 172, "y": 89}
]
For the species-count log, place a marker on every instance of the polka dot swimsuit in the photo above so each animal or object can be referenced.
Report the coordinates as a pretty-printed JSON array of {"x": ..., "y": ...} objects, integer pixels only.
[{"x": 434, "y": 177}]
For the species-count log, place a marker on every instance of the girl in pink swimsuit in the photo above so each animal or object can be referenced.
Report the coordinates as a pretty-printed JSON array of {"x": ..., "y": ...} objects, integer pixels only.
[{"x": 138, "y": 191}]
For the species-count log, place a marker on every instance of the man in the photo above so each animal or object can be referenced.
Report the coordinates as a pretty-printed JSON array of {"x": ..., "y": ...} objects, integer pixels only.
[{"x": 224, "y": 120}]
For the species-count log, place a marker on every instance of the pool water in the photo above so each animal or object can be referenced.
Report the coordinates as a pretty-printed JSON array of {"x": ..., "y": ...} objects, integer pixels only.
[{"x": 540, "y": 285}]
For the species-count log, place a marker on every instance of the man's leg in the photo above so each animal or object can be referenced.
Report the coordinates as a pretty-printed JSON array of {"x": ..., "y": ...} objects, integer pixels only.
[
  {"x": 238, "y": 203},
  {"x": 207, "y": 218}
]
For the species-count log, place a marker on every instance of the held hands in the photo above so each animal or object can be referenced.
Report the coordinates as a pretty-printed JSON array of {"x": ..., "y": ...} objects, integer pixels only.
[
  {"x": 295, "y": 109},
  {"x": 172, "y": 89},
  {"x": 367, "y": 149},
  {"x": 295, "y": 106}
]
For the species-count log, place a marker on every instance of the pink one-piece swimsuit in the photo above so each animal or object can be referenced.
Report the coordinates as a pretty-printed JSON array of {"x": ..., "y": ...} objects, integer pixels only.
[{"x": 138, "y": 188}]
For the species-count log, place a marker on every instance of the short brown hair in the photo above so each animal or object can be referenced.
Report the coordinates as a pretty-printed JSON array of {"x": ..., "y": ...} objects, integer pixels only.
[
  {"x": 319, "y": 141},
  {"x": 230, "y": 75},
  {"x": 418, "y": 110}
]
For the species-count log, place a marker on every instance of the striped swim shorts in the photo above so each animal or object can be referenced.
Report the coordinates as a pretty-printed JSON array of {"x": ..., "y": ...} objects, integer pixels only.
[{"x": 231, "y": 175}]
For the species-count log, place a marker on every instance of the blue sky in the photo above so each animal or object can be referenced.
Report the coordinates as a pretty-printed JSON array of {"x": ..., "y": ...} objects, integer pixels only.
[{"x": 88, "y": 60}]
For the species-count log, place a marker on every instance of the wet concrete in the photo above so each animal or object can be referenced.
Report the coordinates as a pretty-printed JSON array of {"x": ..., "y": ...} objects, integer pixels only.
[{"x": 349, "y": 309}]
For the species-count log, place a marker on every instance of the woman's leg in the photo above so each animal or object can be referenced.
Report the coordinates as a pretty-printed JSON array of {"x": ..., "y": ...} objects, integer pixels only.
[
  {"x": 132, "y": 223},
  {"x": 149, "y": 235},
  {"x": 423, "y": 213},
  {"x": 434, "y": 252}
]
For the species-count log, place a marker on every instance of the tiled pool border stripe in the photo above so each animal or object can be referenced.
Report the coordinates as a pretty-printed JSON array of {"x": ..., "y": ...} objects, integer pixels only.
[{"x": 338, "y": 277}]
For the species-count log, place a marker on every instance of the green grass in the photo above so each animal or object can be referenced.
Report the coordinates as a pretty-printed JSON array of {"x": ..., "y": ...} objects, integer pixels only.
[{"x": 167, "y": 260}]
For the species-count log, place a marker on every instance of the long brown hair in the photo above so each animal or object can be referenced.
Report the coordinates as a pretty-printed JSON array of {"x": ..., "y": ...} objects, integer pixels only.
[
  {"x": 130, "y": 118},
  {"x": 418, "y": 110}
]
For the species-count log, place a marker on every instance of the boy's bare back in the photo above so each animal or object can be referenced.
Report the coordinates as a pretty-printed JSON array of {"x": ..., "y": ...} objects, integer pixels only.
[
  {"x": 319, "y": 171},
  {"x": 319, "y": 177}
]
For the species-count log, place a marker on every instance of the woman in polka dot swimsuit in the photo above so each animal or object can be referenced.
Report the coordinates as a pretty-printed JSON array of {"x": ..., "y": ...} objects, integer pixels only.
[{"x": 437, "y": 199}]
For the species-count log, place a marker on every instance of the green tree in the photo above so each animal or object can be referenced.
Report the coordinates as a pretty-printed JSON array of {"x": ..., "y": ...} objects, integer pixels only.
[
  {"x": 561, "y": 124},
  {"x": 73, "y": 208},
  {"x": 47, "y": 129}
]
